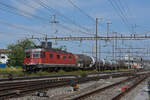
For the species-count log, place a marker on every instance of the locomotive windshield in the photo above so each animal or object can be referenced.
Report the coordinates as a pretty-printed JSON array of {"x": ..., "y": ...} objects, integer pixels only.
[{"x": 36, "y": 54}]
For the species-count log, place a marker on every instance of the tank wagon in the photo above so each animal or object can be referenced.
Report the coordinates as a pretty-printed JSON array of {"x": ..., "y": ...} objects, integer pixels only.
[{"x": 104, "y": 64}]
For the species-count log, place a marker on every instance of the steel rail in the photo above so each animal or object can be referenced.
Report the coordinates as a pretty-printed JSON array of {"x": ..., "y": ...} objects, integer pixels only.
[
  {"x": 100, "y": 90},
  {"x": 119, "y": 96},
  {"x": 29, "y": 86},
  {"x": 37, "y": 77},
  {"x": 84, "y": 96}
]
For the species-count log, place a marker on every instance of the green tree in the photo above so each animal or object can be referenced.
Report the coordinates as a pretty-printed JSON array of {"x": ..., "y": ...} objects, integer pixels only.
[{"x": 17, "y": 52}]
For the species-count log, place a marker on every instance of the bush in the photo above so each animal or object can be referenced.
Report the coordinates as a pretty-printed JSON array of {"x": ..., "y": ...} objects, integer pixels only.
[
  {"x": 62, "y": 72},
  {"x": 43, "y": 73},
  {"x": 18, "y": 72},
  {"x": 83, "y": 74},
  {"x": 10, "y": 70}
]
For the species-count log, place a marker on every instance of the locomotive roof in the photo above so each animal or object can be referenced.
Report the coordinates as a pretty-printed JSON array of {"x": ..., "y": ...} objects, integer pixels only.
[{"x": 48, "y": 49}]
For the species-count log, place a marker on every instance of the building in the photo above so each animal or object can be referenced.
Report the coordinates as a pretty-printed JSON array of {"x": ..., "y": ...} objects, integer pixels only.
[{"x": 3, "y": 56}]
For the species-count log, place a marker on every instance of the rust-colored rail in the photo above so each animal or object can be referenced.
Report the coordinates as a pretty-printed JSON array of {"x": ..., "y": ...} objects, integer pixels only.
[
  {"x": 119, "y": 96},
  {"x": 101, "y": 89},
  {"x": 84, "y": 96}
]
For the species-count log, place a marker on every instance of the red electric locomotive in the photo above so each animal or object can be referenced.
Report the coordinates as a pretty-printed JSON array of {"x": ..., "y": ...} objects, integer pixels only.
[{"x": 50, "y": 59}]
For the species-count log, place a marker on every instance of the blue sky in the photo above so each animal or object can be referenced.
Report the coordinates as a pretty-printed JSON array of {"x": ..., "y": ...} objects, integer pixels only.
[{"x": 136, "y": 12}]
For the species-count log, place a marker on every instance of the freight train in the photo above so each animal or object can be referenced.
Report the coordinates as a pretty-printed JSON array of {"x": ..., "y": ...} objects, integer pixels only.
[{"x": 51, "y": 59}]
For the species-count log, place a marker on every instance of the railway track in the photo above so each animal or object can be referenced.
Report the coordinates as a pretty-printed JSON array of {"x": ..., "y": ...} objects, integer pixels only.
[
  {"x": 61, "y": 76},
  {"x": 112, "y": 92},
  {"x": 37, "y": 77},
  {"x": 122, "y": 94},
  {"x": 17, "y": 89}
]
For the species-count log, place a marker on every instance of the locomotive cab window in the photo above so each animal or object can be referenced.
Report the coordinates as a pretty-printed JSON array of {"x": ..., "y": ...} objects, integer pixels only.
[
  {"x": 51, "y": 56},
  {"x": 27, "y": 55},
  {"x": 70, "y": 57},
  {"x": 58, "y": 56},
  {"x": 36, "y": 54}
]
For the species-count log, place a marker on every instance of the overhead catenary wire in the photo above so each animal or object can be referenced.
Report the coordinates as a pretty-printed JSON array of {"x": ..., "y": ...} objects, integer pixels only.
[
  {"x": 83, "y": 12},
  {"x": 60, "y": 14},
  {"x": 61, "y": 25},
  {"x": 18, "y": 33},
  {"x": 15, "y": 11},
  {"x": 119, "y": 11},
  {"x": 120, "y": 14},
  {"x": 32, "y": 7},
  {"x": 29, "y": 14},
  {"x": 21, "y": 11},
  {"x": 65, "y": 27},
  {"x": 122, "y": 10},
  {"x": 20, "y": 27},
  {"x": 129, "y": 11}
]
